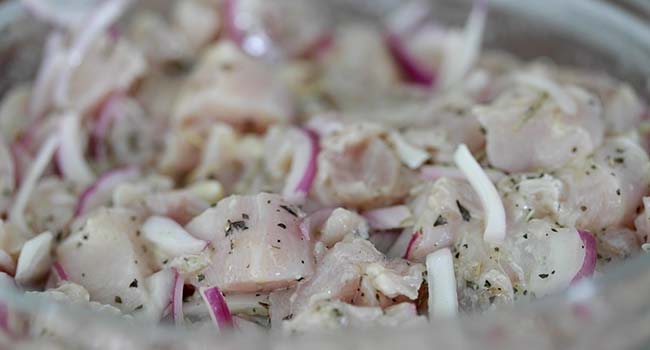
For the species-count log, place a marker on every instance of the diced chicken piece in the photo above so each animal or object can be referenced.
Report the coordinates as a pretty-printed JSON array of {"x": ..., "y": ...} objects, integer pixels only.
[
  {"x": 108, "y": 258},
  {"x": 181, "y": 154},
  {"x": 442, "y": 211},
  {"x": 449, "y": 123},
  {"x": 278, "y": 152},
  {"x": 356, "y": 168},
  {"x": 342, "y": 222},
  {"x": 157, "y": 91},
  {"x": 108, "y": 66},
  {"x": 14, "y": 116},
  {"x": 332, "y": 315},
  {"x": 51, "y": 206},
  {"x": 133, "y": 135},
  {"x": 280, "y": 307},
  {"x": 617, "y": 244},
  {"x": 228, "y": 86},
  {"x": 354, "y": 271},
  {"x": 132, "y": 194},
  {"x": 531, "y": 195},
  {"x": 541, "y": 257},
  {"x": 622, "y": 109},
  {"x": 358, "y": 51},
  {"x": 527, "y": 130},
  {"x": 180, "y": 205},
  {"x": 7, "y": 178},
  {"x": 158, "y": 40},
  {"x": 606, "y": 190},
  {"x": 197, "y": 21},
  {"x": 231, "y": 158},
  {"x": 11, "y": 238},
  {"x": 257, "y": 244}
]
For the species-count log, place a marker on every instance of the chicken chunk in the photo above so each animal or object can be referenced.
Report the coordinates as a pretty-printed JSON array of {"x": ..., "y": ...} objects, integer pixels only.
[{"x": 257, "y": 244}]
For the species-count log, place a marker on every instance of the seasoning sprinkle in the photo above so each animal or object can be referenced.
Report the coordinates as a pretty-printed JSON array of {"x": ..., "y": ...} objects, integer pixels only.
[
  {"x": 289, "y": 210},
  {"x": 134, "y": 284},
  {"x": 463, "y": 212},
  {"x": 440, "y": 221}
]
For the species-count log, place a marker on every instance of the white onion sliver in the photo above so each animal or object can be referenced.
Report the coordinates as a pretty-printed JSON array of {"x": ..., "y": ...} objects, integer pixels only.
[
  {"x": 561, "y": 97},
  {"x": 35, "y": 259},
  {"x": 495, "y": 216},
  {"x": 177, "y": 300},
  {"x": 70, "y": 157},
  {"x": 53, "y": 58},
  {"x": 102, "y": 189},
  {"x": 7, "y": 263},
  {"x": 248, "y": 303},
  {"x": 45, "y": 153},
  {"x": 170, "y": 237},
  {"x": 410, "y": 155},
  {"x": 218, "y": 308},
  {"x": 303, "y": 166},
  {"x": 457, "y": 67},
  {"x": 389, "y": 217},
  {"x": 160, "y": 287},
  {"x": 443, "y": 300},
  {"x": 97, "y": 23}
]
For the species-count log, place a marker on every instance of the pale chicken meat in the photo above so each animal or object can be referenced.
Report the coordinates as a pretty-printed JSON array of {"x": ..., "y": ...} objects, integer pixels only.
[
  {"x": 526, "y": 130},
  {"x": 357, "y": 168},
  {"x": 105, "y": 256},
  {"x": 257, "y": 244},
  {"x": 228, "y": 86},
  {"x": 442, "y": 210},
  {"x": 605, "y": 190}
]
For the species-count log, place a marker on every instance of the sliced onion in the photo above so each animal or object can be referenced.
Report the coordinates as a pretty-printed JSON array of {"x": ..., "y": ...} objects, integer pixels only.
[
  {"x": 60, "y": 271},
  {"x": 389, "y": 217},
  {"x": 66, "y": 14},
  {"x": 218, "y": 308},
  {"x": 443, "y": 300},
  {"x": 70, "y": 157},
  {"x": 108, "y": 112},
  {"x": 313, "y": 222},
  {"x": 7, "y": 263},
  {"x": 53, "y": 58},
  {"x": 35, "y": 259},
  {"x": 409, "y": 247},
  {"x": 495, "y": 215},
  {"x": 233, "y": 31},
  {"x": 412, "y": 70},
  {"x": 177, "y": 300},
  {"x": 561, "y": 97},
  {"x": 249, "y": 303},
  {"x": 303, "y": 167},
  {"x": 456, "y": 67},
  {"x": 170, "y": 237},
  {"x": 435, "y": 172},
  {"x": 410, "y": 155},
  {"x": 101, "y": 191},
  {"x": 160, "y": 286},
  {"x": 589, "y": 263},
  {"x": 43, "y": 157},
  {"x": 94, "y": 25}
]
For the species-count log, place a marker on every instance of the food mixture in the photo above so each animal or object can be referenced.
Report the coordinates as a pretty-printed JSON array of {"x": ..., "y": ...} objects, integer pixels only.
[{"x": 248, "y": 165}]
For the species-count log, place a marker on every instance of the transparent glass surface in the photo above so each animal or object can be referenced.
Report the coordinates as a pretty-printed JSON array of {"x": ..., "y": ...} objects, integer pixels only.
[{"x": 610, "y": 312}]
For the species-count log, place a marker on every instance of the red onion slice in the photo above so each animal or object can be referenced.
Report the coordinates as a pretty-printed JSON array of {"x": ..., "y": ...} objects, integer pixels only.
[
  {"x": 589, "y": 263},
  {"x": 218, "y": 308},
  {"x": 412, "y": 70},
  {"x": 303, "y": 166},
  {"x": 101, "y": 190},
  {"x": 313, "y": 222},
  {"x": 412, "y": 241},
  {"x": 177, "y": 300},
  {"x": 70, "y": 157},
  {"x": 60, "y": 271},
  {"x": 388, "y": 218}
]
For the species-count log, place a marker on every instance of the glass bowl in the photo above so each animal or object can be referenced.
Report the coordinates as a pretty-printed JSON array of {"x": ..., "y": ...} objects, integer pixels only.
[{"x": 610, "y": 312}]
